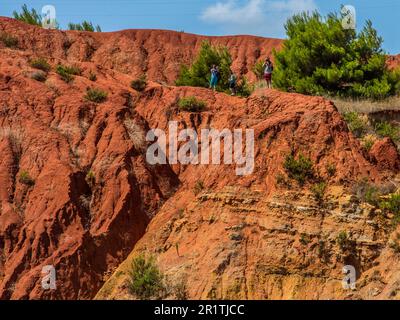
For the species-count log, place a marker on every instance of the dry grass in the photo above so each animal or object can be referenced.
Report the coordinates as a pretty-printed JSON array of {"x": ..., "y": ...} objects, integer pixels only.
[
  {"x": 136, "y": 134},
  {"x": 15, "y": 136},
  {"x": 366, "y": 106}
]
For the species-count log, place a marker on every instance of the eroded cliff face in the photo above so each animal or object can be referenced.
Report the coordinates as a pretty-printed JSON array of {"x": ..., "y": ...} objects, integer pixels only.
[
  {"x": 252, "y": 237},
  {"x": 76, "y": 191}
]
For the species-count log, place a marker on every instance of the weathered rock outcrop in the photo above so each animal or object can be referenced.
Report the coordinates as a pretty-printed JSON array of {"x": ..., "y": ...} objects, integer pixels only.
[{"x": 76, "y": 191}]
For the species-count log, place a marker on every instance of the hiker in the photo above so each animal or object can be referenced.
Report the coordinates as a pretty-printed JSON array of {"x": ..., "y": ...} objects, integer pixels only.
[
  {"x": 232, "y": 83},
  {"x": 268, "y": 69},
  {"x": 214, "y": 77}
]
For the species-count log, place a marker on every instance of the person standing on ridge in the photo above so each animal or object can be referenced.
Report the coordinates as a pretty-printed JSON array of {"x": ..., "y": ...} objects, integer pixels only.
[
  {"x": 214, "y": 77},
  {"x": 232, "y": 83},
  {"x": 268, "y": 69}
]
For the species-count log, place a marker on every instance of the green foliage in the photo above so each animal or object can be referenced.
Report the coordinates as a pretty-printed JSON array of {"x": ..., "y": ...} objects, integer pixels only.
[
  {"x": 84, "y": 26},
  {"x": 96, "y": 95},
  {"x": 28, "y": 16},
  {"x": 305, "y": 239},
  {"x": 198, "y": 74},
  {"x": 385, "y": 129},
  {"x": 26, "y": 179},
  {"x": 258, "y": 69},
  {"x": 318, "y": 190},
  {"x": 146, "y": 280},
  {"x": 244, "y": 88},
  {"x": 392, "y": 205},
  {"x": 343, "y": 240},
  {"x": 191, "y": 104},
  {"x": 92, "y": 76},
  {"x": 321, "y": 57},
  {"x": 355, "y": 123},
  {"x": 198, "y": 187},
  {"x": 67, "y": 73},
  {"x": 368, "y": 141},
  {"x": 8, "y": 40},
  {"x": 331, "y": 169},
  {"x": 40, "y": 64},
  {"x": 90, "y": 178},
  {"x": 299, "y": 169},
  {"x": 139, "y": 84},
  {"x": 39, "y": 76}
]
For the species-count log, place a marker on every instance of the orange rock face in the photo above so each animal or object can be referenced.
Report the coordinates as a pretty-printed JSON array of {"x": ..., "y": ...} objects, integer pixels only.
[{"x": 76, "y": 191}]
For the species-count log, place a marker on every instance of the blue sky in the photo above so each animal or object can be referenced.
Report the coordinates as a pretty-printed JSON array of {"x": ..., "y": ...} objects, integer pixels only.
[{"x": 214, "y": 17}]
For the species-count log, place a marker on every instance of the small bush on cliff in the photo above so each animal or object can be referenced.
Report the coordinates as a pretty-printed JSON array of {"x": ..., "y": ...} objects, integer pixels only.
[
  {"x": 96, "y": 95},
  {"x": 67, "y": 73},
  {"x": 39, "y": 76},
  {"x": 198, "y": 74},
  {"x": 244, "y": 88},
  {"x": 92, "y": 76},
  {"x": 318, "y": 190},
  {"x": 392, "y": 205},
  {"x": 299, "y": 169},
  {"x": 357, "y": 125},
  {"x": 26, "y": 179},
  {"x": 198, "y": 187},
  {"x": 386, "y": 129},
  {"x": 343, "y": 241},
  {"x": 146, "y": 280},
  {"x": 84, "y": 26},
  {"x": 321, "y": 57},
  {"x": 40, "y": 64},
  {"x": 90, "y": 178},
  {"x": 8, "y": 40},
  {"x": 191, "y": 104},
  {"x": 139, "y": 84}
]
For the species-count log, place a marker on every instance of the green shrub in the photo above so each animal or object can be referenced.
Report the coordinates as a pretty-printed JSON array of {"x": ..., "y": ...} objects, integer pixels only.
[
  {"x": 90, "y": 178},
  {"x": 392, "y": 205},
  {"x": 258, "y": 69},
  {"x": 139, "y": 84},
  {"x": 26, "y": 179},
  {"x": 355, "y": 123},
  {"x": 343, "y": 241},
  {"x": 146, "y": 280},
  {"x": 39, "y": 76},
  {"x": 67, "y": 73},
  {"x": 385, "y": 129},
  {"x": 96, "y": 95},
  {"x": 321, "y": 57},
  {"x": 368, "y": 142},
  {"x": 41, "y": 64},
  {"x": 84, "y": 26},
  {"x": 191, "y": 104},
  {"x": 198, "y": 187},
  {"x": 331, "y": 169},
  {"x": 28, "y": 16},
  {"x": 198, "y": 74},
  {"x": 92, "y": 76},
  {"x": 305, "y": 239},
  {"x": 318, "y": 190},
  {"x": 8, "y": 40},
  {"x": 244, "y": 88},
  {"x": 369, "y": 193},
  {"x": 299, "y": 169}
]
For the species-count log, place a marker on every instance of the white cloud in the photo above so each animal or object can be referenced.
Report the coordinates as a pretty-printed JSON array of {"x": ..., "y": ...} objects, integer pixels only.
[{"x": 260, "y": 17}]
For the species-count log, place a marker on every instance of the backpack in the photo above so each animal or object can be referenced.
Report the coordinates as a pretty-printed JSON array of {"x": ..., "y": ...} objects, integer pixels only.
[{"x": 268, "y": 69}]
